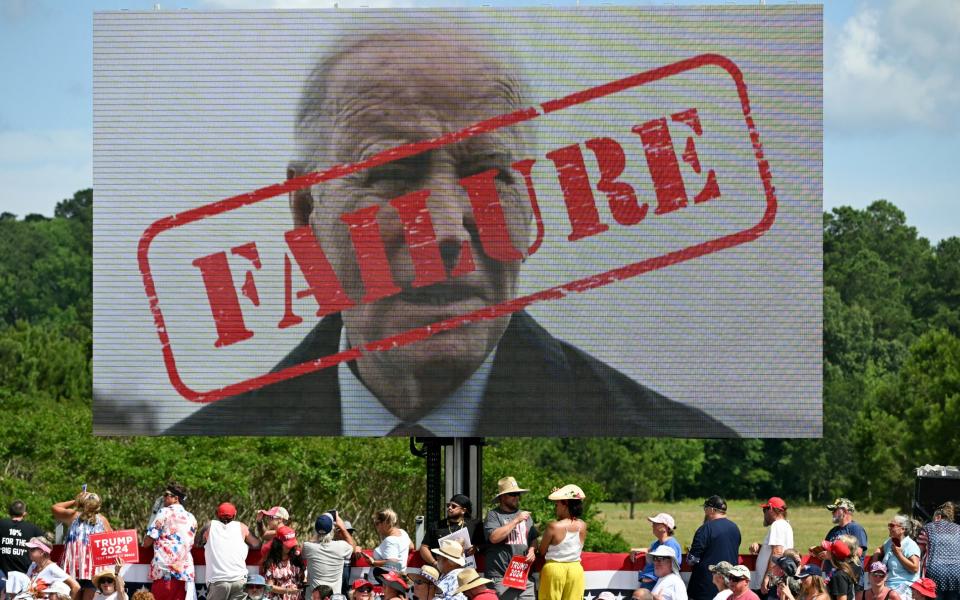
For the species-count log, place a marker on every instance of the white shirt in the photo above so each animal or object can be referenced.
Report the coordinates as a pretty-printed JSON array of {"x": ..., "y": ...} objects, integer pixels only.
[
  {"x": 394, "y": 548},
  {"x": 780, "y": 533},
  {"x": 362, "y": 413},
  {"x": 671, "y": 587},
  {"x": 225, "y": 552}
]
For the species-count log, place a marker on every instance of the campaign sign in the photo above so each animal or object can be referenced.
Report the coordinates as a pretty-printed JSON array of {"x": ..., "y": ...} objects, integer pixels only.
[
  {"x": 613, "y": 212},
  {"x": 109, "y": 546},
  {"x": 518, "y": 570}
]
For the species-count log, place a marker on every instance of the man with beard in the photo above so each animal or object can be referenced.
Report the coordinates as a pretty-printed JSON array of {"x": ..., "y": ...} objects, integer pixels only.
[
  {"x": 779, "y": 537},
  {"x": 510, "y": 532},
  {"x": 459, "y": 510}
]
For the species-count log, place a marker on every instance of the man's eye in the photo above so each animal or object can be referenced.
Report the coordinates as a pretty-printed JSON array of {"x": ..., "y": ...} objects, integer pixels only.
[
  {"x": 504, "y": 174},
  {"x": 390, "y": 174}
]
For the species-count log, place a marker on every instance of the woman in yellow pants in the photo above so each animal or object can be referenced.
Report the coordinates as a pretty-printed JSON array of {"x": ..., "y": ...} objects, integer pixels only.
[{"x": 562, "y": 575}]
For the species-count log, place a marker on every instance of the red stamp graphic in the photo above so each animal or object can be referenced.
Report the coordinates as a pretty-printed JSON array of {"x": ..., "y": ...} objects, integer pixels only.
[{"x": 664, "y": 158}]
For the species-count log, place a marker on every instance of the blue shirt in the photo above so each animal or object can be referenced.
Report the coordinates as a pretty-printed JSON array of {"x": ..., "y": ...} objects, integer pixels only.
[
  {"x": 714, "y": 541},
  {"x": 647, "y": 572},
  {"x": 897, "y": 574}
]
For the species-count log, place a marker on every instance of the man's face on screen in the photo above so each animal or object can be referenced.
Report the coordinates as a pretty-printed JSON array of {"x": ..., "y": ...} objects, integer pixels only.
[{"x": 388, "y": 95}]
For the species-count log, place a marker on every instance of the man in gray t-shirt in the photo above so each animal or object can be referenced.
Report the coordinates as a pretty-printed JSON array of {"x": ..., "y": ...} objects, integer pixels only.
[{"x": 510, "y": 532}]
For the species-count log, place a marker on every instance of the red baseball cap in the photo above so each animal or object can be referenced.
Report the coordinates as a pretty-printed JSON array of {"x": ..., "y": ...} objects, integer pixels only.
[
  {"x": 836, "y": 548},
  {"x": 775, "y": 502},
  {"x": 287, "y": 535},
  {"x": 226, "y": 511},
  {"x": 359, "y": 583}
]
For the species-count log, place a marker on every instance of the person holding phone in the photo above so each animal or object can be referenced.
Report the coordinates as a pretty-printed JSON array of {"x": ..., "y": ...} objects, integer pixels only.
[
  {"x": 901, "y": 555},
  {"x": 82, "y": 517},
  {"x": 324, "y": 555}
]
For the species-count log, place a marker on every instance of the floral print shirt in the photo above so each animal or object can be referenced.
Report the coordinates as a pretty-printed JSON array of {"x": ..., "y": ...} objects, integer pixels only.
[
  {"x": 284, "y": 574},
  {"x": 172, "y": 531}
]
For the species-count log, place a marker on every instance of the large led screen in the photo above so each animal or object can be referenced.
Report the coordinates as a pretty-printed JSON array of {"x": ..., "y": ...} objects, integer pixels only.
[{"x": 483, "y": 222}]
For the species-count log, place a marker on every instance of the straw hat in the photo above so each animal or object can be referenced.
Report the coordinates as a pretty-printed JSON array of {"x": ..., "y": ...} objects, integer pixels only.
[
  {"x": 468, "y": 579},
  {"x": 508, "y": 485},
  {"x": 567, "y": 492},
  {"x": 451, "y": 550}
]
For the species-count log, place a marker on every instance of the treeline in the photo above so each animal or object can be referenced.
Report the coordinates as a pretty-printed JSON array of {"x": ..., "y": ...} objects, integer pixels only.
[{"x": 891, "y": 332}]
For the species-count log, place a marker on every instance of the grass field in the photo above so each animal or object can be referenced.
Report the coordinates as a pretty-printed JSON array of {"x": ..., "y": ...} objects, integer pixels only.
[{"x": 810, "y": 523}]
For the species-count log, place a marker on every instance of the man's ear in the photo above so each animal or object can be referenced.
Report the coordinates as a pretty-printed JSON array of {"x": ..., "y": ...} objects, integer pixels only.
[{"x": 301, "y": 202}]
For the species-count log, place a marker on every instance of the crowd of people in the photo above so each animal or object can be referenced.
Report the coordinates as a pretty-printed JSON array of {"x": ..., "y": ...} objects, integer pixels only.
[{"x": 916, "y": 561}]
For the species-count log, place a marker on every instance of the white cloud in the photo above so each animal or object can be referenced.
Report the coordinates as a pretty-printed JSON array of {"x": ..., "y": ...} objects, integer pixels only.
[
  {"x": 39, "y": 169},
  {"x": 895, "y": 67}
]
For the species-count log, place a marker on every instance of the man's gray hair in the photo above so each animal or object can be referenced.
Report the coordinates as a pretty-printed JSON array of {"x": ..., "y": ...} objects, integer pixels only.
[{"x": 317, "y": 109}]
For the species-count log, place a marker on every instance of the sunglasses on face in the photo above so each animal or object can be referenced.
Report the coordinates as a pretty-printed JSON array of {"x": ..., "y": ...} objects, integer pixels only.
[
  {"x": 104, "y": 581},
  {"x": 660, "y": 558},
  {"x": 513, "y": 494},
  {"x": 169, "y": 495},
  {"x": 452, "y": 505},
  {"x": 878, "y": 574}
]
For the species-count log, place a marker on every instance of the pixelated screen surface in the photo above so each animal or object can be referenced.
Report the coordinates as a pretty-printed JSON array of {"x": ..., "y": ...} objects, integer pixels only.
[{"x": 576, "y": 222}]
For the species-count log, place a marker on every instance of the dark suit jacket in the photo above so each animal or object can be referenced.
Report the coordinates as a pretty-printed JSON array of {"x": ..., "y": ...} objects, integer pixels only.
[{"x": 547, "y": 385}]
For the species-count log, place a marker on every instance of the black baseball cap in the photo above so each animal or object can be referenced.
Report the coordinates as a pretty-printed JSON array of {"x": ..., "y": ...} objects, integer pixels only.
[{"x": 716, "y": 502}]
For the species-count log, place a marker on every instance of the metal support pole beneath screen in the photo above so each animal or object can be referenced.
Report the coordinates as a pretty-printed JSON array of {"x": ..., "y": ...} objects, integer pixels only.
[{"x": 462, "y": 473}]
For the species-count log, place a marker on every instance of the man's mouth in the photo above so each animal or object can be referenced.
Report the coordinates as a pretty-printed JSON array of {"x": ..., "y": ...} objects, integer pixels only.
[{"x": 441, "y": 294}]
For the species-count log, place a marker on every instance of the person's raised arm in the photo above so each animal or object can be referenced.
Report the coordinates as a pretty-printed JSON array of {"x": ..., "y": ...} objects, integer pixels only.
[
  {"x": 65, "y": 511},
  {"x": 343, "y": 529},
  {"x": 248, "y": 536},
  {"x": 499, "y": 534}
]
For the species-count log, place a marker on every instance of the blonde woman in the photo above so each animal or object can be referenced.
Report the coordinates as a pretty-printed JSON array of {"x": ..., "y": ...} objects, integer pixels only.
[
  {"x": 82, "y": 517},
  {"x": 395, "y": 544}
]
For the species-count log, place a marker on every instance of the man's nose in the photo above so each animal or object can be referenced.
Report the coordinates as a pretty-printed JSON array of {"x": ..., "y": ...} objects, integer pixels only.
[{"x": 453, "y": 220}]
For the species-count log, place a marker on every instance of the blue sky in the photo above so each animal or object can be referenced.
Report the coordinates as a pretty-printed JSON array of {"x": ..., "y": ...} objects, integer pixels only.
[{"x": 891, "y": 100}]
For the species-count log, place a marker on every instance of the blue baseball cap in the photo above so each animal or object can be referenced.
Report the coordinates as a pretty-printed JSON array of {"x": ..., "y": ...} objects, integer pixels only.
[
  {"x": 256, "y": 579},
  {"x": 324, "y": 524}
]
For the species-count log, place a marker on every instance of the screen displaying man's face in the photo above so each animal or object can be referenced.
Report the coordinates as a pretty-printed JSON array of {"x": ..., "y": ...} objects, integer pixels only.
[
  {"x": 388, "y": 92},
  {"x": 654, "y": 172}
]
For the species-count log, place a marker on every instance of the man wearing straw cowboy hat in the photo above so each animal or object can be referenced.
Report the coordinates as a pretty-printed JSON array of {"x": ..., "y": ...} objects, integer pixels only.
[
  {"x": 473, "y": 586},
  {"x": 510, "y": 532},
  {"x": 450, "y": 561}
]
